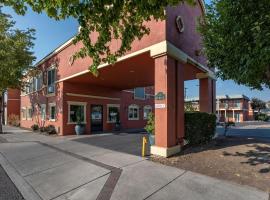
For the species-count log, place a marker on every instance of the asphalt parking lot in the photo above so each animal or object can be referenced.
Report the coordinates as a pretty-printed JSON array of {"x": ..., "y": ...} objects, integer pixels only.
[{"x": 8, "y": 190}]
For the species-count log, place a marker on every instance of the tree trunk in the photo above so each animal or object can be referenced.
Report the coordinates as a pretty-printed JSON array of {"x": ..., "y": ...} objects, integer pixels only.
[
  {"x": 1, "y": 113},
  {"x": 3, "y": 106}
]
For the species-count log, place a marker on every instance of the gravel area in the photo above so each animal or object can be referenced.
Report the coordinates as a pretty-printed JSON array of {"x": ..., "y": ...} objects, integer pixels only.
[{"x": 8, "y": 190}]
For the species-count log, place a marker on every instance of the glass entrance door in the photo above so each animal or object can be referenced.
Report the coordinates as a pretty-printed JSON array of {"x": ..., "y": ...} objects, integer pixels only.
[{"x": 96, "y": 118}]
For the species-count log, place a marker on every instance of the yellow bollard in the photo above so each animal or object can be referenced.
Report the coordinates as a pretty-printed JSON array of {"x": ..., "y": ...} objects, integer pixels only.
[{"x": 144, "y": 142}]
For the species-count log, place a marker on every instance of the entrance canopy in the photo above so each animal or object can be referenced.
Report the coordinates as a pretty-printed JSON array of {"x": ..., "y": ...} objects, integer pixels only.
[
  {"x": 134, "y": 72},
  {"x": 165, "y": 67},
  {"x": 137, "y": 71}
]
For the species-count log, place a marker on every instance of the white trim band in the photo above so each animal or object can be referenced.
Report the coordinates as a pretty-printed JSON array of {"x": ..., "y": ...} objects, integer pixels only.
[{"x": 92, "y": 96}]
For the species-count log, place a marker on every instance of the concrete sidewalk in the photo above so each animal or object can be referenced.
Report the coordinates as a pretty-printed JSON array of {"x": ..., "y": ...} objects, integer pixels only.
[{"x": 103, "y": 167}]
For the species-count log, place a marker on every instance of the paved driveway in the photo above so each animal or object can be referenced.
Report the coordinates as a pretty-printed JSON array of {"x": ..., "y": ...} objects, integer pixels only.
[
  {"x": 103, "y": 167},
  {"x": 249, "y": 129}
]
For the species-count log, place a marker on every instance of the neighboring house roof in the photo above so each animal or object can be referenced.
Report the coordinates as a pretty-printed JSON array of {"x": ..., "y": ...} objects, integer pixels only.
[
  {"x": 56, "y": 50},
  {"x": 237, "y": 96}
]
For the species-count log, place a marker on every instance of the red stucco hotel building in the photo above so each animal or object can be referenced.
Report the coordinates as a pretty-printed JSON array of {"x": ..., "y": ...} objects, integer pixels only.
[
  {"x": 157, "y": 64},
  {"x": 235, "y": 108}
]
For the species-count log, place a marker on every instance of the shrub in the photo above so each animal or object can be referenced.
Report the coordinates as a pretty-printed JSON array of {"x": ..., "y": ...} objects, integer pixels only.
[
  {"x": 35, "y": 127},
  {"x": 14, "y": 120},
  {"x": 200, "y": 127},
  {"x": 42, "y": 129},
  {"x": 262, "y": 117},
  {"x": 150, "y": 126},
  {"x": 50, "y": 129}
]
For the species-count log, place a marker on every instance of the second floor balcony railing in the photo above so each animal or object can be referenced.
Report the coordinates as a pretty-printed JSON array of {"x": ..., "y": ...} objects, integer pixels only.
[{"x": 230, "y": 106}]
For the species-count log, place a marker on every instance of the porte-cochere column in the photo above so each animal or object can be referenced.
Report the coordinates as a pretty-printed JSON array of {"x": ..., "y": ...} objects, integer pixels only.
[
  {"x": 169, "y": 110},
  {"x": 207, "y": 95}
]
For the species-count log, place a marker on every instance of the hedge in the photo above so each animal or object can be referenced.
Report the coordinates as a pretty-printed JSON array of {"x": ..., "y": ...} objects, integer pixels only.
[
  {"x": 200, "y": 127},
  {"x": 262, "y": 117}
]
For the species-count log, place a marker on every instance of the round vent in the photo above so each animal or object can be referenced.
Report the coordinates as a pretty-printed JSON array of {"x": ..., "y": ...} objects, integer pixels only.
[{"x": 180, "y": 24}]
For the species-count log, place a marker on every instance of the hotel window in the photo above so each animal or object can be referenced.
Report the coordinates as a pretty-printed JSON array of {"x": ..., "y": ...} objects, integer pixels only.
[
  {"x": 51, "y": 80},
  {"x": 30, "y": 85},
  {"x": 133, "y": 112},
  {"x": 52, "y": 111},
  {"x": 43, "y": 112},
  {"x": 23, "y": 113},
  {"x": 38, "y": 82},
  {"x": 146, "y": 111},
  {"x": 139, "y": 93},
  {"x": 34, "y": 84},
  {"x": 76, "y": 112},
  {"x": 29, "y": 113},
  {"x": 113, "y": 113}
]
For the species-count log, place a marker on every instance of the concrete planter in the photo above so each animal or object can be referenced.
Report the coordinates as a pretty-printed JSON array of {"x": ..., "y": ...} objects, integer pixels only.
[
  {"x": 80, "y": 129},
  {"x": 151, "y": 139}
]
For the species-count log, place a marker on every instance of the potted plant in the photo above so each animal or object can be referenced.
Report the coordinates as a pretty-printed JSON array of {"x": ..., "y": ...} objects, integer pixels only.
[
  {"x": 80, "y": 127},
  {"x": 150, "y": 128}
]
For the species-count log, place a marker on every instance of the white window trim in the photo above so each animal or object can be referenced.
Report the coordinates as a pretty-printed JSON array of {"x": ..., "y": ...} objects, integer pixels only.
[
  {"x": 134, "y": 106},
  {"x": 111, "y": 106},
  {"x": 146, "y": 107},
  {"x": 44, "y": 106},
  {"x": 39, "y": 76},
  {"x": 52, "y": 67},
  {"x": 76, "y": 103},
  {"x": 50, "y": 106},
  {"x": 27, "y": 112},
  {"x": 134, "y": 96},
  {"x": 23, "y": 108}
]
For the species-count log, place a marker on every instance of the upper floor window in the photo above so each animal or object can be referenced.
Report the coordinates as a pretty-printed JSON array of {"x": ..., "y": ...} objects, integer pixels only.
[
  {"x": 51, "y": 80},
  {"x": 34, "y": 84},
  {"x": 31, "y": 85},
  {"x": 133, "y": 112},
  {"x": 139, "y": 93},
  {"x": 38, "y": 81}
]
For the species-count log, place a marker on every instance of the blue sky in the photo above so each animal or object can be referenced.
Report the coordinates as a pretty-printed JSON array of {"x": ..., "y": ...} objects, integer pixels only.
[{"x": 50, "y": 34}]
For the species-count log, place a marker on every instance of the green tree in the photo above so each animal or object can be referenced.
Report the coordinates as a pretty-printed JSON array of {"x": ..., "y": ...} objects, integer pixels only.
[
  {"x": 111, "y": 19},
  {"x": 16, "y": 56},
  {"x": 190, "y": 107},
  {"x": 236, "y": 38},
  {"x": 257, "y": 104}
]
